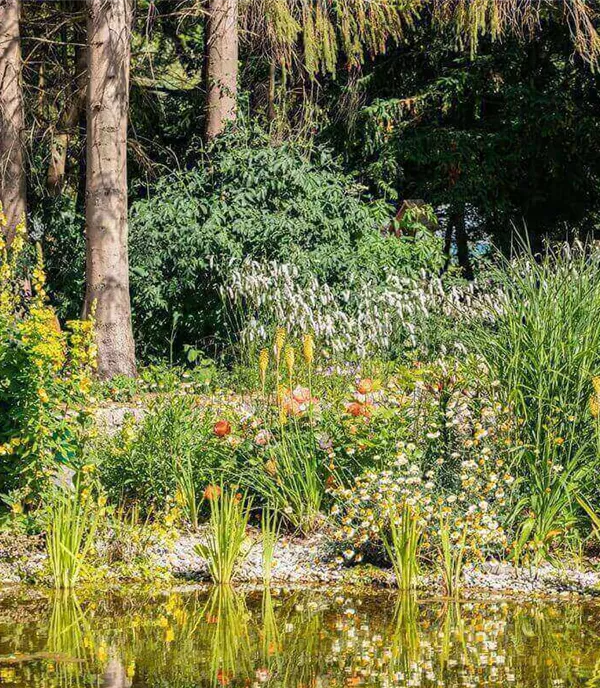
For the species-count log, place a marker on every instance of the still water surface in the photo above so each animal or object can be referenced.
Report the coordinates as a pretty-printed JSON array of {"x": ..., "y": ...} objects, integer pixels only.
[{"x": 307, "y": 639}]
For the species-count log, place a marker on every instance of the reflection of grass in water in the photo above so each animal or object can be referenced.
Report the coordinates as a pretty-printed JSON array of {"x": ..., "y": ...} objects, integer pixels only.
[
  {"x": 558, "y": 646},
  {"x": 288, "y": 640},
  {"x": 404, "y": 633},
  {"x": 269, "y": 632},
  {"x": 226, "y": 633},
  {"x": 301, "y": 641},
  {"x": 70, "y": 638}
]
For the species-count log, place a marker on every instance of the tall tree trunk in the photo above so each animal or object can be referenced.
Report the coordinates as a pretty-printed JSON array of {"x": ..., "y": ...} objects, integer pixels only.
[
  {"x": 107, "y": 263},
  {"x": 222, "y": 65},
  {"x": 115, "y": 675},
  {"x": 12, "y": 121},
  {"x": 70, "y": 119}
]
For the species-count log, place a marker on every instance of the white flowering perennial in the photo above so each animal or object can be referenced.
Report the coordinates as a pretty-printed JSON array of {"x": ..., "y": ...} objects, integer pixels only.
[{"x": 365, "y": 317}]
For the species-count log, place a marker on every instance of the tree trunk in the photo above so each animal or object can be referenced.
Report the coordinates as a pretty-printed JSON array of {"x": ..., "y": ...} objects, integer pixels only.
[
  {"x": 462, "y": 245},
  {"x": 107, "y": 263},
  {"x": 271, "y": 113},
  {"x": 12, "y": 121},
  {"x": 69, "y": 121},
  {"x": 115, "y": 675},
  {"x": 222, "y": 65}
]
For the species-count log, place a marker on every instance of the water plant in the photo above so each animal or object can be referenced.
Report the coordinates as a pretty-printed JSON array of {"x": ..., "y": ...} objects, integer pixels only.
[
  {"x": 73, "y": 517},
  {"x": 452, "y": 551},
  {"x": 269, "y": 526},
  {"x": 227, "y": 542},
  {"x": 402, "y": 541}
]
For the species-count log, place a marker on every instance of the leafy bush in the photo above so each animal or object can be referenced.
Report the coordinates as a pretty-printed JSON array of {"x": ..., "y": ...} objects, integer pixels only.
[
  {"x": 45, "y": 374},
  {"x": 250, "y": 199}
]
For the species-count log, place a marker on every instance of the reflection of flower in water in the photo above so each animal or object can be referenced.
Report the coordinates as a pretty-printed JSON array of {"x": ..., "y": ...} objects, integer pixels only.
[{"x": 327, "y": 639}]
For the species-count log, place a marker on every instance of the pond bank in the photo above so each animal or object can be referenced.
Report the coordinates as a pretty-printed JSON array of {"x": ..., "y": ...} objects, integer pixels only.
[{"x": 297, "y": 561}]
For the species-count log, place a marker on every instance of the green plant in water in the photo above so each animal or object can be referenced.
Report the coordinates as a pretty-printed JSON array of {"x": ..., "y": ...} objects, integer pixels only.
[
  {"x": 270, "y": 530},
  {"x": 227, "y": 542},
  {"x": 73, "y": 518},
  {"x": 452, "y": 555},
  {"x": 402, "y": 542}
]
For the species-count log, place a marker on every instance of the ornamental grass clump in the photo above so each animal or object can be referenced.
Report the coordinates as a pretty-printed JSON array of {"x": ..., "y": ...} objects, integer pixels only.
[
  {"x": 269, "y": 526},
  {"x": 292, "y": 480},
  {"x": 402, "y": 541},
  {"x": 541, "y": 343},
  {"x": 227, "y": 543},
  {"x": 73, "y": 517}
]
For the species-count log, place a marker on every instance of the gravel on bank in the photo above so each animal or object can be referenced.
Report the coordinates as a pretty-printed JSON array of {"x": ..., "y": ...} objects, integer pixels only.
[{"x": 298, "y": 561}]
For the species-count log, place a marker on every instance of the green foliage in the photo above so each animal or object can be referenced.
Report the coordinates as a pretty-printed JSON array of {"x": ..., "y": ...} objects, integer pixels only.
[
  {"x": 292, "y": 479},
  {"x": 172, "y": 449},
  {"x": 45, "y": 375},
  {"x": 249, "y": 199},
  {"x": 402, "y": 542},
  {"x": 543, "y": 347},
  {"x": 494, "y": 132},
  {"x": 72, "y": 517},
  {"x": 227, "y": 542},
  {"x": 269, "y": 526}
]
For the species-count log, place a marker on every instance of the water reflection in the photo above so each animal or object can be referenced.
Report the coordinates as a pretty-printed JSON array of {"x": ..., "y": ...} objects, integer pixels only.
[{"x": 303, "y": 639}]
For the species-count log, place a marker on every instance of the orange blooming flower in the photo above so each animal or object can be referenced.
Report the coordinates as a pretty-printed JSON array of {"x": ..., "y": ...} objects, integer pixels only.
[
  {"x": 212, "y": 492},
  {"x": 222, "y": 428},
  {"x": 356, "y": 409},
  {"x": 302, "y": 395},
  {"x": 297, "y": 402},
  {"x": 365, "y": 386}
]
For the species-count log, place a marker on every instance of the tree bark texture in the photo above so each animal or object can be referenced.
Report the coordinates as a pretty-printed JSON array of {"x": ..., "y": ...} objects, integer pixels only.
[
  {"x": 69, "y": 123},
  {"x": 107, "y": 263},
  {"x": 12, "y": 121},
  {"x": 221, "y": 65}
]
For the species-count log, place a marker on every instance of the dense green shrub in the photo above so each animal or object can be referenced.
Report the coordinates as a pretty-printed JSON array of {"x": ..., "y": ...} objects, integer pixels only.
[
  {"x": 245, "y": 198},
  {"x": 250, "y": 199}
]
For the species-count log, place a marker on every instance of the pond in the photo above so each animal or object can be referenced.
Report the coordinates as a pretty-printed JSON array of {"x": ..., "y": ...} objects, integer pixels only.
[{"x": 296, "y": 639}]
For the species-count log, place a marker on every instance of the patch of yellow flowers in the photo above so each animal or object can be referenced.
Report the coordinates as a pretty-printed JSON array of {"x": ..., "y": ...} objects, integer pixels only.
[{"x": 60, "y": 362}]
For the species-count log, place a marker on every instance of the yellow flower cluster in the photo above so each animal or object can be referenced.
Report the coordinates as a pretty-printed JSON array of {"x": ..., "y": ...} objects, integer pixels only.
[{"x": 54, "y": 365}]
